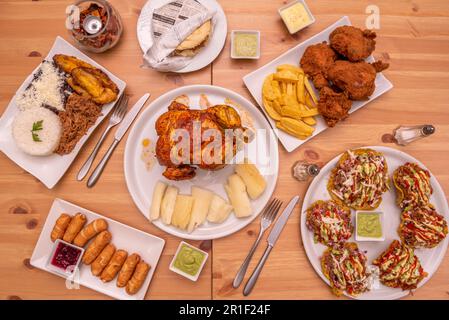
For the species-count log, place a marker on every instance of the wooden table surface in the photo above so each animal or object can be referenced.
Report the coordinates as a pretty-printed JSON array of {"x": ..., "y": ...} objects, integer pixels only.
[{"x": 413, "y": 38}]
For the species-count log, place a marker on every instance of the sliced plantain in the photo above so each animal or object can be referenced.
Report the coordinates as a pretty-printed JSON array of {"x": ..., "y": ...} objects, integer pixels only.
[
  {"x": 68, "y": 63},
  {"x": 88, "y": 81}
]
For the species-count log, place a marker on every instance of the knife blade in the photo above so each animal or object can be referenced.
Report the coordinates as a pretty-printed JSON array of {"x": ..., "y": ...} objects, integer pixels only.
[
  {"x": 282, "y": 220},
  {"x": 130, "y": 116},
  {"x": 124, "y": 126},
  {"x": 272, "y": 238}
]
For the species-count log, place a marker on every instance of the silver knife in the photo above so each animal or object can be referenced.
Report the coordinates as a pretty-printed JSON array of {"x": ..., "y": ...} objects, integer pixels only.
[
  {"x": 124, "y": 126},
  {"x": 272, "y": 238}
]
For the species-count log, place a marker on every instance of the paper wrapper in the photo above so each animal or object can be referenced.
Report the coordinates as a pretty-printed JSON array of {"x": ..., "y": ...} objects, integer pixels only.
[{"x": 171, "y": 24}]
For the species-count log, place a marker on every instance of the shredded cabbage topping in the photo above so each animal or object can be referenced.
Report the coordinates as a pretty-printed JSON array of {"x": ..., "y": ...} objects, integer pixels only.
[{"x": 361, "y": 179}]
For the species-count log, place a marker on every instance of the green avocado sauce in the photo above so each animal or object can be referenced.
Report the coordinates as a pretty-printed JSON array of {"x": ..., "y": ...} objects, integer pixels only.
[
  {"x": 369, "y": 225},
  {"x": 189, "y": 260}
]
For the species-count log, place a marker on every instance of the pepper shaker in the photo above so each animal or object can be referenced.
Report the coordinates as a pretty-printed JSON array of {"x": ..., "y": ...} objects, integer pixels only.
[{"x": 303, "y": 170}]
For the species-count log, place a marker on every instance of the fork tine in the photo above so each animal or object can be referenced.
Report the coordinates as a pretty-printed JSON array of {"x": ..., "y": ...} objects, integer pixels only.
[
  {"x": 118, "y": 105},
  {"x": 272, "y": 207},
  {"x": 268, "y": 208},
  {"x": 123, "y": 108},
  {"x": 275, "y": 211}
]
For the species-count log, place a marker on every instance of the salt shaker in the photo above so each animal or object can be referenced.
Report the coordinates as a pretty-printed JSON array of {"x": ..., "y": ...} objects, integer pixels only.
[
  {"x": 406, "y": 134},
  {"x": 302, "y": 170}
]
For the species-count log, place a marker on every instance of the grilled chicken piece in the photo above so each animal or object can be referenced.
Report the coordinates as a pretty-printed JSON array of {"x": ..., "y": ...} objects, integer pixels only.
[{"x": 179, "y": 116}]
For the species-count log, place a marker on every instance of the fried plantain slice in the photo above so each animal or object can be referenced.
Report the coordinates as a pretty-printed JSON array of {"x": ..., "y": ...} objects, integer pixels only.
[
  {"x": 107, "y": 96},
  {"x": 89, "y": 82},
  {"x": 105, "y": 80},
  {"x": 77, "y": 88},
  {"x": 68, "y": 63}
]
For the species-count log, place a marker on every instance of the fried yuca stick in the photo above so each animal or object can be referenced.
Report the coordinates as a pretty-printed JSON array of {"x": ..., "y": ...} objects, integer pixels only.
[
  {"x": 138, "y": 278},
  {"x": 127, "y": 270},
  {"x": 60, "y": 227},
  {"x": 90, "y": 231},
  {"x": 95, "y": 248},
  {"x": 74, "y": 227}
]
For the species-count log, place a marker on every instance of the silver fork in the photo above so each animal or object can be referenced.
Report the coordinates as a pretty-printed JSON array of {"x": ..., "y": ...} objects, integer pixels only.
[
  {"x": 115, "y": 119},
  {"x": 268, "y": 216}
]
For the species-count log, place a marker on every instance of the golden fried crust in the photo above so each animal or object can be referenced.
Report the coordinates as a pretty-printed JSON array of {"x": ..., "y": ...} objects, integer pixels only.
[
  {"x": 352, "y": 42},
  {"x": 68, "y": 63},
  {"x": 333, "y": 106},
  {"x": 330, "y": 183},
  {"x": 357, "y": 79},
  {"x": 316, "y": 61}
]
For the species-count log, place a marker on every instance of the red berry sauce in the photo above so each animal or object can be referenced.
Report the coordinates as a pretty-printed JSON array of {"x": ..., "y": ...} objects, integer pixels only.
[{"x": 65, "y": 256}]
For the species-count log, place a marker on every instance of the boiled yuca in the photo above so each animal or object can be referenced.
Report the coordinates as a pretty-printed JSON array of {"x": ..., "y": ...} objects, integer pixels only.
[
  {"x": 254, "y": 181},
  {"x": 168, "y": 204},
  {"x": 182, "y": 211},
  {"x": 158, "y": 194},
  {"x": 37, "y": 131},
  {"x": 219, "y": 209},
  {"x": 238, "y": 197},
  {"x": 200, "y": 207}
]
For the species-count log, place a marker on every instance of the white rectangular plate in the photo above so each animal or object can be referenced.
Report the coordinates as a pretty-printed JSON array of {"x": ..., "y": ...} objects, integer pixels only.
[
  {"x": 149, "y": 248},
  {"x": 49, "y": 169},
  {"x": 255, "y": 79}
]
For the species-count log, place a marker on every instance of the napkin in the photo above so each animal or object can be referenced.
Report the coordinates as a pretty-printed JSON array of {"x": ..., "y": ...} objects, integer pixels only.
[{"x": 159, "y": 57}]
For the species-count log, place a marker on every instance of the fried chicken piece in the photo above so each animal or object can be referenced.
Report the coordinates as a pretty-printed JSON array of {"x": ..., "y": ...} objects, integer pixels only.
[
  {"x": 353, "y": 43},
  {"x": 333, "y": 106},
  {"x": 316, "y": 61},
  {"x": 357, "y": 79}
]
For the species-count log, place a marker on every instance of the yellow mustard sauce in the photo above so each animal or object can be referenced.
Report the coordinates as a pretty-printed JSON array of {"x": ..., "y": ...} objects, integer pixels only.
[
  {"x": 148, "y": 156},
  {"x": 245, "y": 44},
  {"x": 369, "y": 225},
  {"x": 295, "y": 17}
]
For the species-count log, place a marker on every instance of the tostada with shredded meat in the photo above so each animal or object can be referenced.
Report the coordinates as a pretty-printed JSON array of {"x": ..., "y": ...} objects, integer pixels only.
[
  {"x": 422, "y": 227},
  {"x": 359, "y": 179},
  {"x": 399, "y": 267},
  {"x": 345, "y": 267},
  {"x": 412, "y": 185},
  {"x": 330, "y": 222}
]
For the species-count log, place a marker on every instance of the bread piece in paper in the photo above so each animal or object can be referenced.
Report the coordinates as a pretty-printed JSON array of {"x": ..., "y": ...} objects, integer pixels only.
[{"x": 179, "y": 30}]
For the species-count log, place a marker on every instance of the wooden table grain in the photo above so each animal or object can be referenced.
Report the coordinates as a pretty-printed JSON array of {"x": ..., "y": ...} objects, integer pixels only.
[{"x": 413, "y": 38}]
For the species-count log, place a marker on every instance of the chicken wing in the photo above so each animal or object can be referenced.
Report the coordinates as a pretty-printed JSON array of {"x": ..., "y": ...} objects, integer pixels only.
[
  {"x": 353, "y": 43},
  {"x": 333, "y": 106},
  {"x": 356, "y": 79},
  {"x": 316, "y": 61}
]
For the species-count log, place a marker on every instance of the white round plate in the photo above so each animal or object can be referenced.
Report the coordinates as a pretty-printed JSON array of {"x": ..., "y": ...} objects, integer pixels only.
[
  {"x": 207, "y": 54},
  {"x": 430, "y": 258},
  {"x": 141, "y": 181}
]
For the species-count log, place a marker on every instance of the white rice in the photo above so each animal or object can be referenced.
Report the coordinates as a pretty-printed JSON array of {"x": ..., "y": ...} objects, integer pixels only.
[
  {"x": 49, "y": 135},
  {"x": 45, "y": 89}
]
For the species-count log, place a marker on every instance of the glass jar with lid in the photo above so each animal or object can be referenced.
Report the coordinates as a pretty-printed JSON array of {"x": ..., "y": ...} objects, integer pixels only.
[{"x": 97, "y": 27}]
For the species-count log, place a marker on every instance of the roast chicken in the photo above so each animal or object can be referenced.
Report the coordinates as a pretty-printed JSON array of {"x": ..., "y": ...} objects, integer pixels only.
[{"x": 179, "y": 116}]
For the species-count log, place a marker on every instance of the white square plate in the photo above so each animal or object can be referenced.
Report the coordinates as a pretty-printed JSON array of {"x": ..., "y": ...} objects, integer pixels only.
[
  {"x": 254, "y": 82},
  {"x": 51, "y": 168},
  {"x": 149, "y": 248}
]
